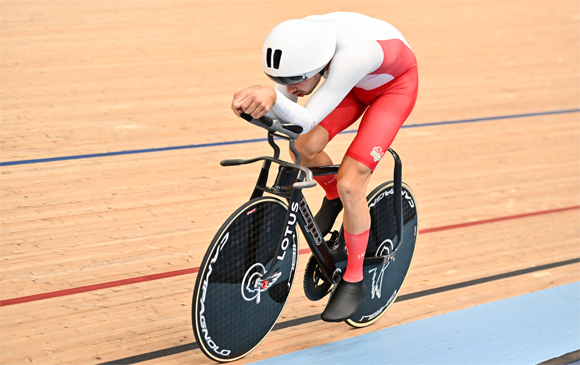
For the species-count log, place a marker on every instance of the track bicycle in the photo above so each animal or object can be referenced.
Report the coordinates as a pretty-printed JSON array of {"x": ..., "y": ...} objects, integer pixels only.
[{"x": 247, "y": 272}]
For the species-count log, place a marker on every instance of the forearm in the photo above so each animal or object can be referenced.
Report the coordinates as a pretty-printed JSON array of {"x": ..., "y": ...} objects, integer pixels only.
[{"x": 293, "y": 112}]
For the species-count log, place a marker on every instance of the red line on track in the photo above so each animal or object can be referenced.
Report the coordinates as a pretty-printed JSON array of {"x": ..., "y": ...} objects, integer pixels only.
[
  {"x": 140, "y": 279},
  {"x": 494, "y": 220},
  {"x": 84, "y": 289}
]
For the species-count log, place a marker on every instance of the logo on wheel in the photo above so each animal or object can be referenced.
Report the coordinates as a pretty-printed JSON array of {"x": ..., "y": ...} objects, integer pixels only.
[
  {"x": 405, "y": 194},
  {"x": 203, "y": 323},
  {"x": 252, "y": 285},
  {"x": 384, "y": 249}
]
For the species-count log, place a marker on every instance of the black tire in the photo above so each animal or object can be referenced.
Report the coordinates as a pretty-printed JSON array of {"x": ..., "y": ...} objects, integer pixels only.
[
  {"x": 384, "y": 279},
  {"x": 229, "y": 317}
]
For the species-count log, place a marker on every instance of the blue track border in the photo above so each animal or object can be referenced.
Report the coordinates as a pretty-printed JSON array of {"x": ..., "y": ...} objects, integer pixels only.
[
  {"x": 204, "y": 145},
  {"x": 525, "y": 329}
]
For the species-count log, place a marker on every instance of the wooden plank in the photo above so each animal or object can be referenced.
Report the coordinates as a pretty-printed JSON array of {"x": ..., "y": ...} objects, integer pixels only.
[{"x": 93, "y": 77}]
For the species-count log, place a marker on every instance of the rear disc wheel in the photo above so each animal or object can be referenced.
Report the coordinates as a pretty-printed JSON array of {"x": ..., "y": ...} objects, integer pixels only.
[{"x": 384, "y": 278}]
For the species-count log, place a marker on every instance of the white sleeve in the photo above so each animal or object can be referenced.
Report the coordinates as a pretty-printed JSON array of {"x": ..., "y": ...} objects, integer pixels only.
[
  {"x": 292, "y": 112},
  {"x": 284, "y": 91},
  {"x": 347, "y": 68},
  {"x": 287, "y": 110}
]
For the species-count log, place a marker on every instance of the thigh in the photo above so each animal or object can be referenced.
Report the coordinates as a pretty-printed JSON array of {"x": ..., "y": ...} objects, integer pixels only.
[
  {"x": 382, "y": 121},
  {"x": 344, "y": 115},
  {"x": 313, "y": 142}
]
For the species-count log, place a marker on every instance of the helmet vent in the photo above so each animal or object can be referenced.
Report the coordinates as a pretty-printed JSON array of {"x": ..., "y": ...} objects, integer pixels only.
[
  {"x": 269, "y": 57},
  {"x": 277, "y": 57}
]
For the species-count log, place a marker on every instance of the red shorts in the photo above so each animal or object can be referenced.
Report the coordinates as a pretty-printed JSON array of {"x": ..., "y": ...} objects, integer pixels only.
[{"x": 387, "y": 107}]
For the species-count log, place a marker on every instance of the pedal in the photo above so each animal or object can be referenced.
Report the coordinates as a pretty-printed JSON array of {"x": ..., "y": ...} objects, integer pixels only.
[{"x": 334, "y": 242}]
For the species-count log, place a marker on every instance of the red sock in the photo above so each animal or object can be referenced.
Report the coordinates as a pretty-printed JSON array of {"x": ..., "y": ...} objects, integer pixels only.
[
  {"x": 356, "y": 244},
  {"x": 328, "y": 183}
]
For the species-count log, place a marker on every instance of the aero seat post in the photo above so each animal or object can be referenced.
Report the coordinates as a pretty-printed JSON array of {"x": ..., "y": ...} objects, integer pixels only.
[{"x": 398, "y": 198}]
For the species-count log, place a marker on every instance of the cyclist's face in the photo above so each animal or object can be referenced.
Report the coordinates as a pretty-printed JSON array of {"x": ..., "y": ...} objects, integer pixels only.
[{"x": 306, "y": 87}]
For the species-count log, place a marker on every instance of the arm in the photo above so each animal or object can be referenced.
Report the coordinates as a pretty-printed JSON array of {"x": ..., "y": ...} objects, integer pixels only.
[
  {"x": 258, "y": 101},
  {"x": 346, "y": 69}
]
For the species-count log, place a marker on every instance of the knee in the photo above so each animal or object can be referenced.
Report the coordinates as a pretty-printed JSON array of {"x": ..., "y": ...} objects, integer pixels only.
[
  {"x": 308, "y": 151},
  {"x": 350, "y": 189}
]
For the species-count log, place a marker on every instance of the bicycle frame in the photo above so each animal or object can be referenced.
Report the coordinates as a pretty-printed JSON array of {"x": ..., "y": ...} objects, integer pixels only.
[{"x": 289, "y": 184}]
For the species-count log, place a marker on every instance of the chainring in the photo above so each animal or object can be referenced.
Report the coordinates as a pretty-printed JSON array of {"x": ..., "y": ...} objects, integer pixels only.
[{"x": 316, "y": 286}]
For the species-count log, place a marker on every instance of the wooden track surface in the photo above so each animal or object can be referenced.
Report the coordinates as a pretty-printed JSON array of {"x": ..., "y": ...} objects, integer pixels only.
[{"x": 88, "y": 77}]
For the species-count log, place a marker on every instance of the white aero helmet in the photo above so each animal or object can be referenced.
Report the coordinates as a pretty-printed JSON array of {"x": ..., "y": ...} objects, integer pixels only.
[{"x": 298, "y": 49}]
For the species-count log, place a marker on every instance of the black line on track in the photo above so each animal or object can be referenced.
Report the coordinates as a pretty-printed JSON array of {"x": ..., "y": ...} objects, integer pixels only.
[
  {"x": 565, "y": 359},
  {"x": 485, "y": 280},
  {"x": 303, "y": 320},
  {"x": 153, "y": 355}
]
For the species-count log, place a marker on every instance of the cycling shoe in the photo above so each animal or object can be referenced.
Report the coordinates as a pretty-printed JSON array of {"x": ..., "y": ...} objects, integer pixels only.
[{"x": 344, "y": 301}]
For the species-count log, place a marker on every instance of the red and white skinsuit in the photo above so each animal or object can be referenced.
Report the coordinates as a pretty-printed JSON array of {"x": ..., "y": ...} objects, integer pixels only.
[{"x": 373, "y": 70}]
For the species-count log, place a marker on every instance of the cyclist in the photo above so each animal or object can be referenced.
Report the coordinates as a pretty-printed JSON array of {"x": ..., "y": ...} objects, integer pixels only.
[{"x": 368, "y": 68}]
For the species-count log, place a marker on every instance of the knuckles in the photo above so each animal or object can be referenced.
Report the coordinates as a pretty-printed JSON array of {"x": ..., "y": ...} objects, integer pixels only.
[{"x": 252, "y": 101}]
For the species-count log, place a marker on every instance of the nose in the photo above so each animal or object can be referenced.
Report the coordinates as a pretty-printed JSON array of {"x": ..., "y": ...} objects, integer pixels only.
[{"x": 291, "y": 88}]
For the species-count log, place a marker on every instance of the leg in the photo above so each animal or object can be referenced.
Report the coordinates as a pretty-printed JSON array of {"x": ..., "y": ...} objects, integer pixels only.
[
  {"x": 353, "y": 179},
  {"x": 376, "y": 132},
  {"x": 312, "y": 144},
  {"x": 311, "y": 147}
]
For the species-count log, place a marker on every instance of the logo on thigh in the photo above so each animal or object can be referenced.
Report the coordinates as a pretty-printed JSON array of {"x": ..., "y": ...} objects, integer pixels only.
[{"x": 377, "y": 153}]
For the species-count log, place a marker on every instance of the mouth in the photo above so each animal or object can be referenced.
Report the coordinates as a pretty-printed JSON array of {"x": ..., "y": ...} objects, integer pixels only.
[{"x": 299, "y": 94}]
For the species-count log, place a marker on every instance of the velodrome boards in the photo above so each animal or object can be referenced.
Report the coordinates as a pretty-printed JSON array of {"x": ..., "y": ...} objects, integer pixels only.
[{"x": 115, "y": 115}]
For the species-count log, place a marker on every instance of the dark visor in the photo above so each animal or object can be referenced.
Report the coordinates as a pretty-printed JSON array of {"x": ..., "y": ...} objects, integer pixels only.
[{"x": 291, "y": 80}]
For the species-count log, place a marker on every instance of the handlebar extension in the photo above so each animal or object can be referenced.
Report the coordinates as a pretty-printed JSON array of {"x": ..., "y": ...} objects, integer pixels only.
[{"x": 289, "y": 129}]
